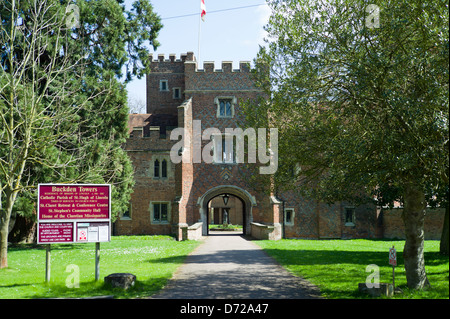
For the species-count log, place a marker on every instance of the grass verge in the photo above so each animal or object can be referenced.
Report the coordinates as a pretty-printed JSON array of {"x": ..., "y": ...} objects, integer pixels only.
[
  {"x": 337, "y": 266},
  {"x": 153, "y": 259}
]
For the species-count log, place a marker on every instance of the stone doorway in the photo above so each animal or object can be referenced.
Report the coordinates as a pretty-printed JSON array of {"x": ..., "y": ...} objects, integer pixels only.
[{"x": 242, "y": 202}]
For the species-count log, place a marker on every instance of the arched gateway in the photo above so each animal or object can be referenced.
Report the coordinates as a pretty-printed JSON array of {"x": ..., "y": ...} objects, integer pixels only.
[{"x": 247, "y": 199}]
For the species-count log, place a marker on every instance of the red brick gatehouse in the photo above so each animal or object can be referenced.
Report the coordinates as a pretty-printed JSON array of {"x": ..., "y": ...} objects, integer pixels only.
[{"x": 184, "y": 198}]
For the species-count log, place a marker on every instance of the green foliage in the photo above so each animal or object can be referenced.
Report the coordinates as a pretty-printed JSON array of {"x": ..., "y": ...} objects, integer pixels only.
[
  {"x": 66, "y": 113},
  {"x": 357, "y": 107}
]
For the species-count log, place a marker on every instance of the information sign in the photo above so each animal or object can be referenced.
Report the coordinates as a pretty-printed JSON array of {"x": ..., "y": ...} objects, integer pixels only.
[
  {"x": 55, "y": 233},
  {"x": 74, "y": 202},
  {"x": 77, "y": 213},
  {"x": 74, "y": 213}
]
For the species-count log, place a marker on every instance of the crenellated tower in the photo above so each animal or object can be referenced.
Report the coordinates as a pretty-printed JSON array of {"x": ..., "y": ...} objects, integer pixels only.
[{"x": 166, "y": 83}]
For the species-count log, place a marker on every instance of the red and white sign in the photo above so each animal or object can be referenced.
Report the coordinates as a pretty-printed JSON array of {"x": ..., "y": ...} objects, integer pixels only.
[
  {"x": 74, "y": 213},
  {"x": 55, "y": 233},
  {"x": 392, "y": 256},
  {"x": 82, "y": 234},
  {"x": 73, "y": 202}
]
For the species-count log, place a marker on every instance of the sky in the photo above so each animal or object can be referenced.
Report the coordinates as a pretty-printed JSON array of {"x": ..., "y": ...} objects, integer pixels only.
[{"x": 229, "y": 35}]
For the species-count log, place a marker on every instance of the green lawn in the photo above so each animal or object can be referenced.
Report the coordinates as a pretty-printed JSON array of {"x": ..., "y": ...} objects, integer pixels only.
[
  {"x": 337, "y": 266},
  {"x": 224, "y": 227},
  {"x": 153, "y": 259}
]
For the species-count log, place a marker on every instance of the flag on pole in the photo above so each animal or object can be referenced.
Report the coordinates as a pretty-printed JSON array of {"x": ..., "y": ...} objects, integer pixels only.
[{"x": 203, "y": 10}]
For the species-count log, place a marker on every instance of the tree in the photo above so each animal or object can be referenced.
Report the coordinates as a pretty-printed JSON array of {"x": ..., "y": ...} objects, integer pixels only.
[
  {"x": 136, "y": 105},
  {"x": 63, "y": 113},
  {"x": 361, "y": 103}
]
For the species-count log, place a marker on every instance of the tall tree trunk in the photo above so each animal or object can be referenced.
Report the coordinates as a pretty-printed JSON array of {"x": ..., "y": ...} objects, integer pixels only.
[
  {"x": 5, "y": 217},
  {"x": 443, "y": 247},
  {"x": 413, "y": 218},
  {"x": 4, "y": 225}
]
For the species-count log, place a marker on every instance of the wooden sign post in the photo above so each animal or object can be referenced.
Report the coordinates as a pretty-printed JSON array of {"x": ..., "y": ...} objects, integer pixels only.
[{"x": 47, "y": 263}]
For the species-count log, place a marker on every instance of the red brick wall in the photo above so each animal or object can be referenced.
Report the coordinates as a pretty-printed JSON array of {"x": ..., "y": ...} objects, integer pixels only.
[
  {"x": 172, "y": 70},
  {"x": 314, "y": 220},
  {"x": 393, "y": 226},
  {"x": 142, "y": 152}
]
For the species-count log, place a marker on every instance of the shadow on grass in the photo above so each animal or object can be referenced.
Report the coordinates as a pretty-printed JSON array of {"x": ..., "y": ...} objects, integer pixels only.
[{"x": 324, "y": 257}]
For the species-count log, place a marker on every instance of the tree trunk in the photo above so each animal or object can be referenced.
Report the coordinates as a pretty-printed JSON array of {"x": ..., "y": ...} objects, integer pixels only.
[
  {"x": 4, "y": 231},
  {"x": 413, "y": 218},
  {"x": 443, "y": 248},
  {"x": 23, "y": 231},
  {"x": 3, "y": 241},
  {"x": 5, "y": 217}
]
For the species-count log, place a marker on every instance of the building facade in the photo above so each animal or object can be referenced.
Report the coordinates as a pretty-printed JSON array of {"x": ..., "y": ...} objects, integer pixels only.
[{"x": 182, "y": 198}]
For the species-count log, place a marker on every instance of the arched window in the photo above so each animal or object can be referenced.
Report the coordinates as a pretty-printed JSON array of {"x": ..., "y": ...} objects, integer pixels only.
[
  {"x": 164, "y": 169},
  {"x": 156, "y": 169},
  {"x": 225, "y": 106}
]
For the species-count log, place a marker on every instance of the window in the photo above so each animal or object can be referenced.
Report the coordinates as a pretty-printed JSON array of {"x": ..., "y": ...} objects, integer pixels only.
[
  {"x": 349, "y": 216},
  {"x": 160, "y": 213},
  {"x": 164, "y": 85},
  {"x": 156, "y": 169},
  {"x": 176, "y": 93},
  {"x": 161, "y": 167},
  {"x": 164, "y": 169},
  {"x": 126, "y": 214},
  {"x": 289, "y": 216},
  {"x": 224, "y": 150},
  {"x": 225, "y": 106}
]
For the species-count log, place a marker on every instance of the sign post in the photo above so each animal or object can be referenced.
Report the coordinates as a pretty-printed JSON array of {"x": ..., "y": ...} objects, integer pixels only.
[
  {"x": 97, "y": 261},
  {"x": 393, "y": 263},
  {"x": 47, "y": 263},
  {"x": 74, "y": 213}
]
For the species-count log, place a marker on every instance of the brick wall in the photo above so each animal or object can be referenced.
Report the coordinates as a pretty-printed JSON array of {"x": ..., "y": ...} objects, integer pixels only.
[
  {"x": 315, "y": 220},
  {"x": 143, "y": 151},
  {"x": 172, "y": 70},
  {"x": 393, "y": 227}
]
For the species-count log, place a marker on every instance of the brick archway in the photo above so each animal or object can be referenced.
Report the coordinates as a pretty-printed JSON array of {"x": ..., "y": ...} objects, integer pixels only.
[{"x": 247, "y": 199}]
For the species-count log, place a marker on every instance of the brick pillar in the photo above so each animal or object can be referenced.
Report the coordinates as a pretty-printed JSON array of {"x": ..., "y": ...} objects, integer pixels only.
[
  {"x": 276, "y": 215},
  {"x": 184, "y": 175}
]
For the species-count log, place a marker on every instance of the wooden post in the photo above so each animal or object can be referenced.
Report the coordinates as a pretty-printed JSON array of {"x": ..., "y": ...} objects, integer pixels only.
[
  {"x": 97, "y": 261},
  {"x": 393, "y": 278},
  {"x": 47, "y": 263}
]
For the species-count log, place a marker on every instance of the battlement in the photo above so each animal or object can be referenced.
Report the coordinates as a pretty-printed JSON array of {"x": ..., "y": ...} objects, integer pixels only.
[
  {"x": 191, "y": 63},
  {"x": 226, "y": 67},
  {"x": 189, "y": 56},
  {"x": 155, "y": 132},
  {"x": 151, "y": 138}
]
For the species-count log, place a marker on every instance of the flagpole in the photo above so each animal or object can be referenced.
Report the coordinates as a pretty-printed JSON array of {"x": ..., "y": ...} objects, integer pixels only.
[{"x": 199, "y": 34}]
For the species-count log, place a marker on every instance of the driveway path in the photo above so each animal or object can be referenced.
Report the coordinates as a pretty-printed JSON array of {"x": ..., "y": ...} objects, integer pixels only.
[{"x": 227, "y": 266}]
